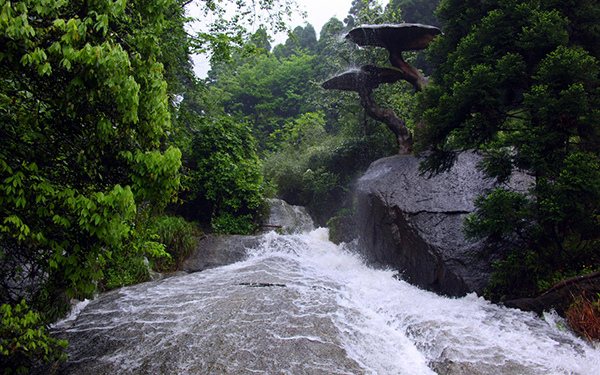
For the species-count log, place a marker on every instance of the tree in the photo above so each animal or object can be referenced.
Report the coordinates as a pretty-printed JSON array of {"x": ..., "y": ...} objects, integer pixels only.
[
  {"x": 417, "y": 11},
  {"x": 265, "y": 91},
  {"x": 301, "y": 38},
  {"x": 228, "y": 33},
  {"x": 83, "y": 108},
  {"x": 85, "y": 121},
  {"x": 224, "y": 177},
  {"x": 518, "y": 81}
]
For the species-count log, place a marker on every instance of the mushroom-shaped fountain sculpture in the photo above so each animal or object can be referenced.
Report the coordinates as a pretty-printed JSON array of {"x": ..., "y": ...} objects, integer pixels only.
[
  {"x": 363, "y": 81},
  {"x": 396, "y": 39}
]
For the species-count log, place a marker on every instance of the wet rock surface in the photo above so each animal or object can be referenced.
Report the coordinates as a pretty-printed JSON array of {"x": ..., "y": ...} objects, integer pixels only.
[
  {"x": 246, "y": 330},
  {"x": 218, "y": 250},
  {"x": 288, "y": 218},
  {"x": 413, "y": 223}
]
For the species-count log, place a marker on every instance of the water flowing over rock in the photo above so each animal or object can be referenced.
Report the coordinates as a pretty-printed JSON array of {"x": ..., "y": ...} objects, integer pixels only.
[
  {"x": 291, "y": 219},
  {"x": 221, "y": 250},
  {"x": 298, "y": 304},
  {"x": 413, "y": 224}
]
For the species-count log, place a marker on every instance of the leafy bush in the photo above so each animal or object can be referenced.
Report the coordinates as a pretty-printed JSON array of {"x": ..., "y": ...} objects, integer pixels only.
[
  {"x": 320, "y": 175},
  {"x": 226, "y": 222},
  {"x": 24, "y": 339},
  {"x": 178, "y": 237},
  {"x": 225, "y": 182},
  {"x": 125, "y": 266}
]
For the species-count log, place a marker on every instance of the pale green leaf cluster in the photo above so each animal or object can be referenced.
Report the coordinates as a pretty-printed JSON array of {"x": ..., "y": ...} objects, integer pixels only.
[
  {"x": 21, "y": 335},
  {"x": 83, "y": 114}
]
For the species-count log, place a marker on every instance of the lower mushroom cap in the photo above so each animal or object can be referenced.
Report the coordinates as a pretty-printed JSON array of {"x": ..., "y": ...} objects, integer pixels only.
[{"x": 366, "y": 78}]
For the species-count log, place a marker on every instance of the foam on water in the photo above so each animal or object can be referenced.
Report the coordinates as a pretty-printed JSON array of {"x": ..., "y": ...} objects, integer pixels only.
[
  {"x": 300, "y": 304},
  {"x": 390, "y": 326},
  {"x": 73, "y": 314}
]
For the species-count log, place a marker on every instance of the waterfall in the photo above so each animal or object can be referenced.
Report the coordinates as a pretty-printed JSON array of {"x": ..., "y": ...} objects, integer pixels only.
[{"x": 300, "y": 304}]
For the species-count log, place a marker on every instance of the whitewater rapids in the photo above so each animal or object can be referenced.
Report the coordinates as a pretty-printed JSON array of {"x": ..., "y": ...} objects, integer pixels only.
[{"x": 300, "y": 304}]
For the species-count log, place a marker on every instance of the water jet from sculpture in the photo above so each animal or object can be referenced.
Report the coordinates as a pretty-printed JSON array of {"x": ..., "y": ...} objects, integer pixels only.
[{"x": 396, "y": 39}]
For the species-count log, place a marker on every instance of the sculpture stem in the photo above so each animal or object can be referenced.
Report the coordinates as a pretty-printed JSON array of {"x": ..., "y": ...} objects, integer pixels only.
[
  {"x": 411, "y": 74},
  {"x": 388, "y": 117}
]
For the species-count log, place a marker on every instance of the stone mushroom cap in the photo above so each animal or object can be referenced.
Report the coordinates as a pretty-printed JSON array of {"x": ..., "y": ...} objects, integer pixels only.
[
  {"x": 397, "y": 37},
  {"x": 381, "y": 74},
  {"x": 366, "y": 78},
  {"x": 350, "y": 80}
]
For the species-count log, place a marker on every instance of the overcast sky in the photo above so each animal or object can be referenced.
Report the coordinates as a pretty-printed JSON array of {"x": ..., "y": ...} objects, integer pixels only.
[{"x": 318, "y": 12}]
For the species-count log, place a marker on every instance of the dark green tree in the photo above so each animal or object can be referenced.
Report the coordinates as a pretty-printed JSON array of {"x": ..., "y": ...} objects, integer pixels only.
[
  {"x": 518, "y": 81},
  {"x": 265, "y": 91},
  {"x": 302, "y": 38},
  {"x": 224, "y": 181},
  {"x": 417, "y": 11}
]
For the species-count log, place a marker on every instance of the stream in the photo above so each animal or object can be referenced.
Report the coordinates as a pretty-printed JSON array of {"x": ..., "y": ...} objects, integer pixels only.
[{"x": 300, "y": 304}]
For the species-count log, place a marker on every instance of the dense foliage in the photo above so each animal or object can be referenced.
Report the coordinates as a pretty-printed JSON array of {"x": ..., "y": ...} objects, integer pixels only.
[
  {"x": 88, "y": 93},
  {"x": 23, "y": 338},
  {"x": 99, "y": 110},
  {"x": 314, "y": 142},
  {"x": 265, "y": 90},
  {"x": 224, "y": 180},
  {"x": 83, "y": 107},
  {"x": 179, "y": 239},
  {"x": 518, "y": 80}
]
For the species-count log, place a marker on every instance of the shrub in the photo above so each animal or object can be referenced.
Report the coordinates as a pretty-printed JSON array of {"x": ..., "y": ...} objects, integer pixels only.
[
  {"x": 321, "y": 176},
  {"x": 24, "y": 339},
  {"x": 179, "y": 239},
  {"x": 124, "y": 266},
  {"x": 584, "y": 316},
  {"x": 225, "y": 177}
]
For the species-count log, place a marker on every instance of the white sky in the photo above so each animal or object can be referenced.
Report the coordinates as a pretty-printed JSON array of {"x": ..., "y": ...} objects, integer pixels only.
[{"x": 318, "y": 13}]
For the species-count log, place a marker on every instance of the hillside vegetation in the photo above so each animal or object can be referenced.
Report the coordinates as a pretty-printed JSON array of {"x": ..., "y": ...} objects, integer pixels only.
[{"x": 115, "y": 158}]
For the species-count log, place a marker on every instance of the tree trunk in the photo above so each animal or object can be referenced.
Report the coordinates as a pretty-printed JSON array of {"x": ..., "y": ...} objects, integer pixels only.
[{"x": 393, "y": 122}]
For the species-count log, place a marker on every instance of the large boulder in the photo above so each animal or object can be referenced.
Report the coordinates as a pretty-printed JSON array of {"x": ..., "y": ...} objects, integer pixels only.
[
  {"x": 288, "y": 218},
  {"x": 413, "y": 223},
  {"x": 220, "y": 250}
]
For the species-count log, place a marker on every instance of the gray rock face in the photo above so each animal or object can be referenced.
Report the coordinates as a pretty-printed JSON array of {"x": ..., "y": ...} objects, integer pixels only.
[
  {"x": 220, "y": 250},
  {"x": 215, "y": 251},
  {"x": 413, "y": 223},
  {"x": 291, "y": 219}
]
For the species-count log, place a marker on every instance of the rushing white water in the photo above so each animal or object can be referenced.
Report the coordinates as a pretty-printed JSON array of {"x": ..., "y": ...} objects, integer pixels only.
[{"x": 302, "y": 305}]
